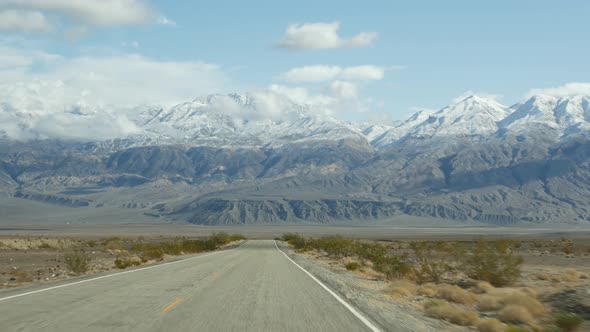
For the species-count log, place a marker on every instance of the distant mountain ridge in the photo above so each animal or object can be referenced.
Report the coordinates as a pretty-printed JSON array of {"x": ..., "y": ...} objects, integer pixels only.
[{"x": 266, "y": 159}]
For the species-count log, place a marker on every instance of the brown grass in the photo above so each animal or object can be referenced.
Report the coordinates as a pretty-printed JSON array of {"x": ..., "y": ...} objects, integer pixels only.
[
  {"x": 483, "y": 287},
  {"x": 402, "y": 289},
  {"x": 428, "y": 289},
  {"x": 452, "y": 313},
  {"x": 571, "y": 275},
  {"x": 543, "y": 276},
  {"x": 489, "y": 303},
  {"x": 490, "y": 325},
  {"x": 455, "y": 294},
  {"x": 510, "y": 296},
  {"x": 515, "y": 314}
]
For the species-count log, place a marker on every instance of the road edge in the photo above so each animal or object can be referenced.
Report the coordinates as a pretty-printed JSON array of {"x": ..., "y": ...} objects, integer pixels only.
[
  {"x": 85, "y": 279},
  {"x": 347, "y": 305}
]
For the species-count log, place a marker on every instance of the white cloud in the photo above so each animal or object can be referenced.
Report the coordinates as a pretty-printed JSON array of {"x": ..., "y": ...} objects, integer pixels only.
[
  {"x": 38, "y": 91},
  {"x": 344, "y": 89},
  {"x": 165, "y": 21},
  {"x": 566, "y": 90},
  {"x": 314, "y": 36},
  {"x": 94, "y": 13},
  {"x": 24, "y": 21},
  {"x": 321, "y": 73}
]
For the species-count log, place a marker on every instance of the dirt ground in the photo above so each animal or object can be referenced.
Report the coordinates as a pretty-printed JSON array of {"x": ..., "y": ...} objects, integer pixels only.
[
  {"x": 42, "y": 259},
  {"x": 555, "y": 275}
]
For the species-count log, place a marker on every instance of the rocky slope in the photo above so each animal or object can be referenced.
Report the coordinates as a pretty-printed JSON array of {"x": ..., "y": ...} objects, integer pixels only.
[{"x": 247, "y": 159}]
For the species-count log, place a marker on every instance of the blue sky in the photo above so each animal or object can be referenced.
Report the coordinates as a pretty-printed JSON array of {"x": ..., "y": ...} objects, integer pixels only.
[{"x": 429, "y": 51}]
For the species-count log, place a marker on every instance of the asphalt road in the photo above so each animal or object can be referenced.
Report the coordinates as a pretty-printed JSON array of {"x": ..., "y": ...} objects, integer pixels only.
[{"x": 251, "y": 288}]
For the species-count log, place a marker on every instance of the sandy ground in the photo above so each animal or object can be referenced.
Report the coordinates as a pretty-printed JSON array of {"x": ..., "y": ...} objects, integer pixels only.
[{"x": 273, "y": 231}]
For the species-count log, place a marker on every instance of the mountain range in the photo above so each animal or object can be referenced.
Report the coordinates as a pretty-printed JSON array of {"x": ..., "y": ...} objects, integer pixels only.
[{"x": 260, "y": 158}]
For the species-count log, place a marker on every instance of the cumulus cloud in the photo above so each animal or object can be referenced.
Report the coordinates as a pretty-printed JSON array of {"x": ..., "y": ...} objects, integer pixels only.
[
  {"x": 315, "y": 36},
  {"x": 74, "y": 16},
  {"x": 321, "y": 73},
  {"x": 566, "y": 90},
  {"x": 344, "y": 89},
  {"x": 121, "y": 79},
  {"x": 44, "y": 95},
  {"x": 24, "y": 21}
]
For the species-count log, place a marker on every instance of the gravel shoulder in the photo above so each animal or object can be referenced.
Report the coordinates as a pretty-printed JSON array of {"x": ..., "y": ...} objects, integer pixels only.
[{"x": 367, "y": 296}]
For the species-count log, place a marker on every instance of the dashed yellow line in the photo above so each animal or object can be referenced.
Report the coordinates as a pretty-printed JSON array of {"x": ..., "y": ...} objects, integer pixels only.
[{"x": 172, "y": 304}]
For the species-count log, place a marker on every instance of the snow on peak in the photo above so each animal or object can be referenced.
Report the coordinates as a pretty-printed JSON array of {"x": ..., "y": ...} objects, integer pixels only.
[{"x": 471, "y": 116}]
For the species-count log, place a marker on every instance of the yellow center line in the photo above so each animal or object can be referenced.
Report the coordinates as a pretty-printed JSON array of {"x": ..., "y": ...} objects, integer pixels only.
[{"x": 173, "y": 304}]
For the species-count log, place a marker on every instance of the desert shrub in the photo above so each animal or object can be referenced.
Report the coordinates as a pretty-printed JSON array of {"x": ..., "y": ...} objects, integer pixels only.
[
  {"x": 489, "y": 303},
  {"x": 455, "y": 294},
  {"x": 568, "y": 321},
  {"x": 45, "y": 245},
  {"x": 393, "y": 266},
  {"x": 152, "y": 253},
  {"x": 490, "y": 325},
  {"x": 334, "y": 246},
  {"x": 123, "y": 263},
  {"x": 296, "y": 240},
  {"x": 196, "y": 246},
  {"x": 402, "y": 288},
  {"x": 483, "y": 287},
  {"x": 220, "y": 238},
  {"x": 374, "y": 252},
  {"x": 452, "y": 313},
  {"x": 352, "y": 266},
  {"x": 77, "y": 261},
  {"x": 433, "y": 260},
  {"x": 516, "y": 314},
  {"x": 428, "y": 289},
  {"x": 91, "y": 243},
  {"x": 493, "y": 262},
  {"x": 519, "y": 298},
  {"x": 571, "y": 275}
]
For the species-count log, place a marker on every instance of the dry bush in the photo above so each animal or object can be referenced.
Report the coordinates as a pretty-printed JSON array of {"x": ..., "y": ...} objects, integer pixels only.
[
  {"x": 428, "y": 289},
  {"x": 490, "y": 325},
  {"x": 352, "y": 266},
  {"x": 518, "y": 297},
  {"x": 543, "y": 276},
  {"x": 568, "y": 321},
  {"x": 402, "y": 289},
  {"x": 451, "y": 312},
  {"x": 489, "y": 303},
  {"x": 555, "y": 279},
  {"x": 483, "y": 287},
  {"x": 583, "y": 275},
  {"x": 516, "y": 314},
  {"x": 455, "y": 294},
  {"x": 493, "y": 261},
  {"x": 571, "y": 275},
  {"x": 77, "y": 261},
  {"x": 529, "y": 291},
  {"x": 433, "y": 260}
]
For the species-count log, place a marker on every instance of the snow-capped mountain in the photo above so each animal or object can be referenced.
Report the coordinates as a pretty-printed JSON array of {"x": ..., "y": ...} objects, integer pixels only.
[
  {"x": 469, "y": 117},
  {"x": 559, "y": 116},
  {"x": 261, "y": 119},
  {"x": 394, "y": 134}
]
